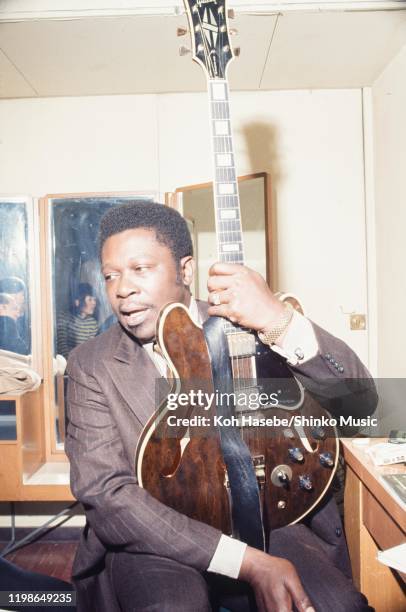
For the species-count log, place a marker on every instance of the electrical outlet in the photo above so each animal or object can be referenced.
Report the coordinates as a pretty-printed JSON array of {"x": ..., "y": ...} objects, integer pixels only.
[{"x": 358, "y": 321}]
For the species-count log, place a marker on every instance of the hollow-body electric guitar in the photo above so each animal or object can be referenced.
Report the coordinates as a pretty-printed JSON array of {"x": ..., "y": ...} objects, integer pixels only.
[{"x": 243, "y": 466}]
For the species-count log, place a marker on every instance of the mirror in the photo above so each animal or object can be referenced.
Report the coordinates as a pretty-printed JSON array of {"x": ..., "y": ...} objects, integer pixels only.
[
  {"x": 196, "y": 205},
  {"x": 80, "y": 309},
  {"x": 15, "y": 315}
]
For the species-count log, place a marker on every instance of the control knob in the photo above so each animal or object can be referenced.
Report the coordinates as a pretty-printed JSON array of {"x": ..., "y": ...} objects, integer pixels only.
[
  {"x": 296, "y": 455},
  {"x": 305, "y": 482},
  {"x": 326, "y": 460}
]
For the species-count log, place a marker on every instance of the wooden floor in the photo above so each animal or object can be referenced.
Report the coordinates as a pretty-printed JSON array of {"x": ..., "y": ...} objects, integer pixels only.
[{"x": 51, "y": 558}]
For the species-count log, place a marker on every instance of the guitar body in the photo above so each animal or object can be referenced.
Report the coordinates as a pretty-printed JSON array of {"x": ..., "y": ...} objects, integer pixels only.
[{"x": 184, "y": 466}]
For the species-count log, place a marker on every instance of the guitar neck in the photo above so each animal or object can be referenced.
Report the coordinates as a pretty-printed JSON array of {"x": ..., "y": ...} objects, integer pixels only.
[{"x": 225, "y": 186}]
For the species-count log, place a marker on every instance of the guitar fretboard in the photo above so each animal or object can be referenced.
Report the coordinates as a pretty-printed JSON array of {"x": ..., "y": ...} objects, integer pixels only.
[{"x": 225, "y": 185}]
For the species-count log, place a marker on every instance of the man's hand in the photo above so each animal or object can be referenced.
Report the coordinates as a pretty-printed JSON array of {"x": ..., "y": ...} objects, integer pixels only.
[
  {"x": 242, "y": 295},
  {"x": 275, "y": 582}
]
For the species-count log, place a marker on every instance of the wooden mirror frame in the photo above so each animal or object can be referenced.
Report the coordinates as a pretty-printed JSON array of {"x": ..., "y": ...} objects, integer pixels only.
[
  {"x": 172, "y": 199},
  {"x": 53, "y": 453},
  {"x": 33, "y": 269}
]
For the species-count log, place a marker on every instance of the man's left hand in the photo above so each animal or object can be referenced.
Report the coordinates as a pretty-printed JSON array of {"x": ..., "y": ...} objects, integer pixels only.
[{"x": 242, "y": 296}]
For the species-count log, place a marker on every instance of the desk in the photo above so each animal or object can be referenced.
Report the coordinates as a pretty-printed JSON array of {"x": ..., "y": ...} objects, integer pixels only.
[
  {"x": 373, "y": 521},
  {"x": 23, "y": 458}
]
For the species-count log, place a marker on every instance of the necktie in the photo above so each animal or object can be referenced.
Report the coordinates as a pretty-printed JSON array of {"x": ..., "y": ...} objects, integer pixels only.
[{"x": 162, "y": 363}]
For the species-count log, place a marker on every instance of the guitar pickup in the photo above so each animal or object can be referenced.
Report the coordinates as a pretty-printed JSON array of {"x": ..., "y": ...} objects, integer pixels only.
[{"x": 241, "y": 344}]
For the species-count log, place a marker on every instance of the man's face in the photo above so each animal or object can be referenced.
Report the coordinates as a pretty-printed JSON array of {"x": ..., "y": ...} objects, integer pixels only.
[
  {"x": 12, "y": 309},
  {"x": 89, "y": 305},
  {"x": 141, "y": 277}
]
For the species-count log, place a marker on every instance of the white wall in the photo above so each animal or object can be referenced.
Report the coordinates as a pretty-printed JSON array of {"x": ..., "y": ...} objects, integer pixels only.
[
  {"x": 389, "y": 115},
  {"x": 309, "y": 141},
  {"x": 59, "y": 145}
]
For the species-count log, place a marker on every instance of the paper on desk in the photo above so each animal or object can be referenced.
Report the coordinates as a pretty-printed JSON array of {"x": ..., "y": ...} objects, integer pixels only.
[
  {"x": 386, "y": 453},
  {"x": 394, "y": 557}
]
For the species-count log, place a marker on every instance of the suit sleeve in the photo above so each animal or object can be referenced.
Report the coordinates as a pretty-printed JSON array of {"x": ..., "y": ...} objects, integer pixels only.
[
  {"x": 337, "y": 379},
  {"x": 123, "y": 515}
]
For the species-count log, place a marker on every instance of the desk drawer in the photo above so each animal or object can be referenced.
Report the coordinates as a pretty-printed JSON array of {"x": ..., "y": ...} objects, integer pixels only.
[{"x": 379, "y": 523}]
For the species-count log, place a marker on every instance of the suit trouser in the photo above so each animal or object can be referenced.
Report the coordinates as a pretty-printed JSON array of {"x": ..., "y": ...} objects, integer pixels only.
[{"x": 155, "y": 584}]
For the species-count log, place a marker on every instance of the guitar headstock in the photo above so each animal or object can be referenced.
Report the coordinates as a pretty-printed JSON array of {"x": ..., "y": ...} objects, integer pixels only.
[{"x": 211, "y": 46}]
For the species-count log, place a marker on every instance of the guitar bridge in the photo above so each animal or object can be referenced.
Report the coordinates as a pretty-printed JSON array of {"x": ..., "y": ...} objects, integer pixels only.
[{"x": 245, "y": 395}]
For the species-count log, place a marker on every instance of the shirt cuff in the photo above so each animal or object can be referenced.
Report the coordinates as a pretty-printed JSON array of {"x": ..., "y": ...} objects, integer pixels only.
[
  {"x": 299, "y": 343},
  {"x": 227, "y": 558}
]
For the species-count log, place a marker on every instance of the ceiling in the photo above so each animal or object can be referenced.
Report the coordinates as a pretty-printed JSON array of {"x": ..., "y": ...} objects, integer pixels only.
[{"x": 136, "y": 54}]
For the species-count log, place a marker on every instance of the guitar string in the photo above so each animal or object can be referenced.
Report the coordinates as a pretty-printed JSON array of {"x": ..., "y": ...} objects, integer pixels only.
[
  {"x": 232, "y": 201},
  {"x": 240, "y": 365},
  {"x": 219, "y": 174},
  {"x": 226, "y": 147}
]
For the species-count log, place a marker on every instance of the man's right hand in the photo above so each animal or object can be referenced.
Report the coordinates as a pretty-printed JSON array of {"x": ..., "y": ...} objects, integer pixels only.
[{"x": 275, "y": 582}]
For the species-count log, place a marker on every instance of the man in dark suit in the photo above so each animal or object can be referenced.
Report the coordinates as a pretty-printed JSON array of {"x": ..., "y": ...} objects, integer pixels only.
[{"x": 135, "y": 552}]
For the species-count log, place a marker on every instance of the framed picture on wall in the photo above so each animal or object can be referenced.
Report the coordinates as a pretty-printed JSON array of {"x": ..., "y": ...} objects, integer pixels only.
[{"x": 195, "y": 203}]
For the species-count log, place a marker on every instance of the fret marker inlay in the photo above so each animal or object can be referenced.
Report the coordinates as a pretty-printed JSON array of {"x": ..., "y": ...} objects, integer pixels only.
[
  {"x": 226, "y": 188},
  {"x": 231, "y": 247},
  {"x": 218, "y": 91},
  {"x": 228, "y": 214},
  {"x": 224, "y": 159},
  {"x": 221, "y": 128}
]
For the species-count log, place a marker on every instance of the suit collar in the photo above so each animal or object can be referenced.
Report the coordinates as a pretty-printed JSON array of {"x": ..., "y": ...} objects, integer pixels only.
[
  {"x": 135, "y": 375},
  {"x": 127, "y": 347}
]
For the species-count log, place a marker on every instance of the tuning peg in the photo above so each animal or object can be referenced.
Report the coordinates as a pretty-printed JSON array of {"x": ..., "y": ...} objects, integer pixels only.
[
  {"x": 184, "y": 50},
  {"x": 237, "y": 51},
  {"x": 181, "y": 31},
  {"x": 231, "y": 14}
]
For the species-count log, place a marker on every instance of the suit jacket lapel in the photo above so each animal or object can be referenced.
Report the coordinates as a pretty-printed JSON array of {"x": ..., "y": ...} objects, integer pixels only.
[{"x": 135, "y": 377}]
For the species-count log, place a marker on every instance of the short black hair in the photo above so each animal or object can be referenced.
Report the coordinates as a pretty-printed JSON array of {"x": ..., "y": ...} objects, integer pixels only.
[
  {"x": 169, "y": 226},
  {"x": 83, "y": 290},
  {"x": 80, "y": 294},
  {"x": 11, "y": 284}
]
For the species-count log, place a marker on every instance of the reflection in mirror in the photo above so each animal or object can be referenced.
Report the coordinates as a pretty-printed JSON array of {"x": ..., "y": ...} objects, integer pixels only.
[
  {"x": 8, "y": 421},
  {"x": 80, "y": 306},
  {"x": 15, "y": 325},
  {"x": 198, "y": 209}
]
